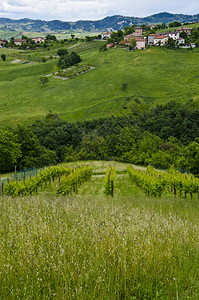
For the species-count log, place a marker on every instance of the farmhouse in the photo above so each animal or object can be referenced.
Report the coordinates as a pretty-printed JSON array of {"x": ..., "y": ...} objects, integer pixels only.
[
  {"x": 140, "y": 43},
  {"x": 18, "y": 42},
  {"x": 161, "y": 40},
  {"x": 151, "y": 38},
  {"x": 139, "y": 30},
  {"x": 128, "y": 37},
  {"x": 184, "y": 29},
  {"x": 106, "y": 35},
  {"x": 38, "y": 40},
  {"x": 174, "y": 35},
  {"x": 151, "y": 26}
]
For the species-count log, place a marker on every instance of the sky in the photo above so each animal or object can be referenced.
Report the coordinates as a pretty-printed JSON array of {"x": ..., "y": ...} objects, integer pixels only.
[{"x": 73, "y": 10}]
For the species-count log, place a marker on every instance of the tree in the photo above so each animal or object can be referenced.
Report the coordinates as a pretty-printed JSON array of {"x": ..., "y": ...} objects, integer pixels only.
[
  {"x": 74, "y": 58},
  {"x": 192, "y": 157},
  {"x": 30, "y": 147},
  {"x": 133, "y": 43},
  {"x": 10, "y": 150},
  {"x": 62, "y": 52},
  {"x": 44, "y": 80},
  {"x": 174, "y": 24},
  {"x": 50, "y": 37},
  {"x": 88, "y": 38},
  {"x": 69, "y": 60},
  {"x": 171, "y": 43},
  {"x": 3, "y": 56},
  {"x": 102, "y": 48}
]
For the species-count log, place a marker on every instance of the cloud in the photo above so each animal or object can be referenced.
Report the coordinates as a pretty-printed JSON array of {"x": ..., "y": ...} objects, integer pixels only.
[{"x": 72, "y": 10}]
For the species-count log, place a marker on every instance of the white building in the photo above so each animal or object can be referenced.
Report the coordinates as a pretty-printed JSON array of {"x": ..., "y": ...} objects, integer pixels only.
[
  {"x": 161, "y": 40},
  {"x": 174, "y": 35},
  {"x": 106, "y": 35}
]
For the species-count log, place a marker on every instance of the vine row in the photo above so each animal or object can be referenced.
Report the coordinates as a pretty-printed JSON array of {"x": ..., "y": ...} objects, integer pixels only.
[
  {"x": 110, "y": 180},
  {"x": 71, "y": 184}
]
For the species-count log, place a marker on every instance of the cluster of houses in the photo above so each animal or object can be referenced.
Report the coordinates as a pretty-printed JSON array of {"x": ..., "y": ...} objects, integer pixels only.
[
  {"x": 159, "y": 39},
  {"x": 19, "y": 42}
]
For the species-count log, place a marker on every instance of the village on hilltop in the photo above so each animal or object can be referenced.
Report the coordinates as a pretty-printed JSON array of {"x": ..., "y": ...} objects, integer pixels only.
[
  {"x": 142, "y": 36},
  {"x": 153, "y": 39}
]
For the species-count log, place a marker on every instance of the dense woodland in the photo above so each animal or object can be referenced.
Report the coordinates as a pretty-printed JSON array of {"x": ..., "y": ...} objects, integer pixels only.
[{"x": 162, "y": 136}]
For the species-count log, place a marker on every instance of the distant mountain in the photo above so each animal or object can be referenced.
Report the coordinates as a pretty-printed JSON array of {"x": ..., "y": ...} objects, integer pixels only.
[{"x": 106, "y": 24}]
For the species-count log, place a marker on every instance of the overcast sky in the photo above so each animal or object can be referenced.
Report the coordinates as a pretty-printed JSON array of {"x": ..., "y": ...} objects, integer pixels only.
[{"x": 73, "y": 10}]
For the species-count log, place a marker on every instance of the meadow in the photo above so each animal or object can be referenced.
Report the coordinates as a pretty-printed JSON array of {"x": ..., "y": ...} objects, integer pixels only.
[
  {"x": 155, "y": 75},
  {"x": 90, "y": 246}
]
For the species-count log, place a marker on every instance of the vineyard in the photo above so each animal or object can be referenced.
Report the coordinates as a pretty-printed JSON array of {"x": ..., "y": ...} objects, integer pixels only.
[
  {"x": 88, "y": 231},
  {"x": 154, "y": 182},
  {"x": 109, "y": 182},
  {"x": 67, "y": 181}
]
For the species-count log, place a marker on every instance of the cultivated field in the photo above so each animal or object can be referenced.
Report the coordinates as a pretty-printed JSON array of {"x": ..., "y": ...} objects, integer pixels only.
[{"x": 89, "y": 246}]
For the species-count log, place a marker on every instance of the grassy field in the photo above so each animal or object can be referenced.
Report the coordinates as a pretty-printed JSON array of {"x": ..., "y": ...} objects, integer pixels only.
[
  {"x": 65, "y": 34},
  {"x": 89, "y": 246},
  {"x": 154, "y": 76}
]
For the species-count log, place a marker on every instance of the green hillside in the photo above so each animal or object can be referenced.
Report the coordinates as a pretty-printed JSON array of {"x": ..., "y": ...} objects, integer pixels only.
[{"x": 155, "y": 75}]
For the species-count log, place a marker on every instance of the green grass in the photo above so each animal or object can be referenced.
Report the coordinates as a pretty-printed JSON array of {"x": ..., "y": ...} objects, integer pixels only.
[
  {"x": 154, "y": 75},
  {"x": 89, "y": 246},
  {"x": 63, "y": 34}
]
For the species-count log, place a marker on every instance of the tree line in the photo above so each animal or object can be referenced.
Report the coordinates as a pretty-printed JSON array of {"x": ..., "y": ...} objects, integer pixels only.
[{"x": 162, "y": 136}]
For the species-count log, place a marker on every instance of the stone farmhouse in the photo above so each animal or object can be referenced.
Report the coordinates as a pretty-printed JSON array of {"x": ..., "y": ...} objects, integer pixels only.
[
  {"x": 38, "y": 40},
  {"x": 151, "y": 26},
  {"x": 151, "y": 38},
  {"x": 18, "y": 42},
  {"x": 161, "y": 40},
  {"x": 184, "y": 29},
  {"x": 138, "y": 35}
]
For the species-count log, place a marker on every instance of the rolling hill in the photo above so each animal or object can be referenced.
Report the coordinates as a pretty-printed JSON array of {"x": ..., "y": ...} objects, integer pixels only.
[
  {"x": 153, "y": 76},
  {"x": 108, "y": 23}
]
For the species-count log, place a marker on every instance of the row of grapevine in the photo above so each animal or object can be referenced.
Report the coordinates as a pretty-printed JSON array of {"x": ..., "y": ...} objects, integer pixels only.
[
  {"x": 30, "y": 186},
  {"x": 155, "y": 182},
  {"x": 70, "y": 184},
  {"x": 152, "y": 185},
  {"x": 176, "y": 181},
  {"x": 109, "y": 182}
]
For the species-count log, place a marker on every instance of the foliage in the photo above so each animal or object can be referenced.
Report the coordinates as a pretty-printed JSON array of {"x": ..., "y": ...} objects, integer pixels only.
[
  {"x": 71, "y": 184},
  {"x": 110, "y": 181},
  {"x": 102, "y": 48},
  {"x": 30, "y": 186},
  {"x": 62, "y": 51},
  {"x": 174, "y": 24},
  {"x": 3, "y": 56},
  {"x": 10, "y": 150},
  {"x": 154, "y": 182},
  {"x": 44, "y": 80},
  {"x": 133, "y": 43},
  {"x": 152, "y": 185},
  {"x": 50, "y": 37},
  {"x": 68, "y": 60}
]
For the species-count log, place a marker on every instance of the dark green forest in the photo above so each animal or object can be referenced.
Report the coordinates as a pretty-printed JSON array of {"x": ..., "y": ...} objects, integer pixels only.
[{"x": 162, "y": 136}]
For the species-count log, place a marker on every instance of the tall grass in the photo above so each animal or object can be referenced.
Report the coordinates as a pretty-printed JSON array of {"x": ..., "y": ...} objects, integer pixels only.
[{"x": 91, "y": 247}]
